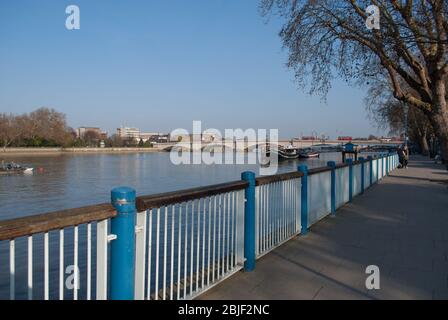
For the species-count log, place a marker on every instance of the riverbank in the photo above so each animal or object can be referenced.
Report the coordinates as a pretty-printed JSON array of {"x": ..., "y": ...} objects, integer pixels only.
[{"x": 56, "y": 151}]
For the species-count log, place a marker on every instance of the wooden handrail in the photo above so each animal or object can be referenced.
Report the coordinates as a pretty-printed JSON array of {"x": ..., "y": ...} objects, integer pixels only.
[
  {"x": 163, "y": 199},
  {"x": 26, "y": 226},
  {"x": 278, "y": 177}
]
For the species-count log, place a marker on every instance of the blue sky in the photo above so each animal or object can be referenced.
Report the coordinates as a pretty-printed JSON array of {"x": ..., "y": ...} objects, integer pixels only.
[{"x": 159, "y": 65}]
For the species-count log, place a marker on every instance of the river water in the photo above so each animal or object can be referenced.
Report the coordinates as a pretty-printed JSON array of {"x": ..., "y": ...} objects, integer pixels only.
[{"x": 68, "y": 181}]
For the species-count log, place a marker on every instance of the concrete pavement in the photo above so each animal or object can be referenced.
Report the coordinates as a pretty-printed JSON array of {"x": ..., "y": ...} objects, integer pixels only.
[{"x": 400, "y": 225}]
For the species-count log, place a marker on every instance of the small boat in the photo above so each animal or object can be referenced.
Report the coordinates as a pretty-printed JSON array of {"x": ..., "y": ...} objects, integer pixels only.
[
  {"x": 14, "y": 168},
  {"x": 287, "y": 153},
  {"x": 308, "y": 153}
]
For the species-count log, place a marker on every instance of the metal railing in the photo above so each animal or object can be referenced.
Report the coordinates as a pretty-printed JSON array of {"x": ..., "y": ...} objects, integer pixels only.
[
  {"x": 277, "y": 210},
  {"x": 194, "y": 241},
  {"x": 173, "y": 245},
  {"x": 41, "y": 248}
]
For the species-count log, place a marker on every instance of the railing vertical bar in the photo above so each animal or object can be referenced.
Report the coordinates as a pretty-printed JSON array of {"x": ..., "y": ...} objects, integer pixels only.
[
  {"x": 149, "y": 276},
  {"x": 46, "y": 268},
  {"x": 89, "y": 261},
  {"x": 237, "y": 251},
  {"x": 266, "y": 217},
  {"x": 198, "y": 239},
  {"x": 224, "y": 223},
  {"x": 203, "y": 244},
  {"x": 285, "y": 210},
  {"x": 61, "y": 264},
  {"x": 192, "y": 247},
  {"x": 282, "y": 212},
  {"x": 262, "y": 218},
  {"x": 186, "y": 250},
  {"x": 257, "y": 220},
  {"x": 179, "y": 242},
  {"x": 75, "y": 263},
  {"x": 271, "y": 211},
  {"x": 219, "y": 236},
  {"x": 228, "y": 233},
  {"x": 209, "y": 238},
  {"x": 140, "y": 255},
  {"x": 165, "y": 250},
  {"x": 232, "y": 243},
  {"x": 296, "y": 209},
  {"x": 172, "y": 253},
  {"x": 30, "y": 267},
  {"x": 277, "y": 214},
  {"x": 12, "y": 270},
  {"x": 156, "y": 284},
  {"x": 101, "y": 259},
  {"x": 214, "y": 239}
]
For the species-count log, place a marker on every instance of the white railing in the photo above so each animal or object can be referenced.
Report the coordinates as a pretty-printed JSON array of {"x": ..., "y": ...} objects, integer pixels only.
[
  {"x": 319, "y": 196},
  {"x": 277, "y": 213},
  {"x": 183, "y": 249},
  {"x": 49, "y": 258}
]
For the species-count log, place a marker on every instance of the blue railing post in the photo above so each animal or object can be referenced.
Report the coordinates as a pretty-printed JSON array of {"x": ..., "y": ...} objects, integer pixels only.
[
  {"x": 332, "y": 165},
  {"x": 362, "y": 160},
  {"x": 350, "y": 179},
  {"x": 122, "y": 249},
  {"x": 249, "y": 221},
  {"x": 370, "y": 159},
  {"x": 304, "y": 199}
]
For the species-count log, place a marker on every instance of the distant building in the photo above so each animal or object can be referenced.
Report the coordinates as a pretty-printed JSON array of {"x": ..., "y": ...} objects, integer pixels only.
[
  {"x": 155, "y": 137},
  {"x": 345, "y": 138},
  {"x": 127, "y": 133},
  {"x": 103, "y": 135},
  {"x": 81, "y": 131}
]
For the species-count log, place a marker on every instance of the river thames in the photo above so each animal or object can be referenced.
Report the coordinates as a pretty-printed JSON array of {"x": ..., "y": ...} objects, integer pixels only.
[{"x": 66, "y": 181}]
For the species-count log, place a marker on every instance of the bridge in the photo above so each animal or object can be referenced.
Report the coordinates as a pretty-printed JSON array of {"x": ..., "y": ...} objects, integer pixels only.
[
  {"x": 250, "y": 145},
  {"x": 193, "y": 243}
]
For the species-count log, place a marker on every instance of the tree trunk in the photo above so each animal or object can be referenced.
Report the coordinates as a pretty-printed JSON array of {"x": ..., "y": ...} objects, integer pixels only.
[
  {"x": 439, "y": 117},
  {"x": 424, "y": 146}
]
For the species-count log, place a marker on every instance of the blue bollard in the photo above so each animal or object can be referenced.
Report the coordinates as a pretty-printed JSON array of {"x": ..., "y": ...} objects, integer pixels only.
[
  {"x": 370, "y": 159},
  {"x": 304, "y": 199},
  {"x": 332, "y": 165},
  {"x": 350, "y": 179},
  {"x": 362, "y": 174},
  {"x": 122, "y": 249},
  {"x": 249, "y": 221}
]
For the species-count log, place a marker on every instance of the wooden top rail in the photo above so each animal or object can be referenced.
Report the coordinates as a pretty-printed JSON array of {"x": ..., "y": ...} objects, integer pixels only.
[
  {"x": 26, "y": 226},
  {"x": 164, "y": 199},
  {"x": 278, "y": 177},
  {"x": 318, "y": 170}
]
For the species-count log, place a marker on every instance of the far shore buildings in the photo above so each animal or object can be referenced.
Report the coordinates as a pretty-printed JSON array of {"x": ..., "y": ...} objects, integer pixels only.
[
  {"x": 129, "y": 133},
  {"x": 82, "y": 131}
]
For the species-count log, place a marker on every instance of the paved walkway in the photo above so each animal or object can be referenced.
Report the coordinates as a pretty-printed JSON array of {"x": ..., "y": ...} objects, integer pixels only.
[{"x": 400, "y": 225}]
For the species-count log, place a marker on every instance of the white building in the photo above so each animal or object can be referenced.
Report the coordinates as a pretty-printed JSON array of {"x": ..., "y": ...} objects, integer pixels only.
[{"x": 127, "y": 133}]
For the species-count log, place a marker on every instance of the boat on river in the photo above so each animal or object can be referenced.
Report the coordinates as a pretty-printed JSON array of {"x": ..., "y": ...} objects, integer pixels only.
[
  {"x": 308, "y": 153},
  {"x": 286, "y": 153},
  {"x": 14, "y": 168}
]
